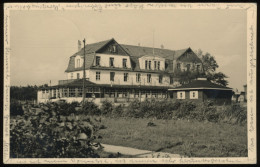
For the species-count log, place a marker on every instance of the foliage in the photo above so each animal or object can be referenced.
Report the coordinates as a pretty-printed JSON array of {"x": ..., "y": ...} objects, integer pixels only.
[
  {"x": 15, "y": 108},
  {"x": 23, "y": 93},
  {"x": 90, "y": 108},
  {"x": 209, "y": 63},
  {"x": 185, "y": 109},
  {"x": 106, "y": 107},
  {"x": 179, "y": 109},
  {"x": 218, "y": 78},
  {"x": 209, "y": 67},
  {"x": 187, "y": 76},
  {"x": 118, "y": 111},
  {"x": 41, "y": 134}
]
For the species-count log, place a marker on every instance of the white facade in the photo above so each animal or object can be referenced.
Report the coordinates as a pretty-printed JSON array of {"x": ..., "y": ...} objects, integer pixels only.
[
  {"x": 91, "y": 75},
  {"x": 76, "y": 74}
]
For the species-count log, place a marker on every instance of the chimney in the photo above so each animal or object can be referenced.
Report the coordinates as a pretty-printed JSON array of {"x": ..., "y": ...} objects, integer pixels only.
[
  {"x": 162, "y": 47},
  {"x": 79, "y": 45}
]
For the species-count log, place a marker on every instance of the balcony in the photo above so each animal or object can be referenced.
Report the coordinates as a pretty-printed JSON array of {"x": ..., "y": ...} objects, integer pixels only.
[{"x": 62, "y": 82}]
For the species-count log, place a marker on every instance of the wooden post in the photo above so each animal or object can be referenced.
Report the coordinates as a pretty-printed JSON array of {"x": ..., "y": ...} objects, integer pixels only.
[
  {"x": 140, "y": 95},
  {"x": 84, "y": 76}
]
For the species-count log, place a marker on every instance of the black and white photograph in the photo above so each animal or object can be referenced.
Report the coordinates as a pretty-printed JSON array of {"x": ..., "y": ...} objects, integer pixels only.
[{"x": 129, "y": 83}]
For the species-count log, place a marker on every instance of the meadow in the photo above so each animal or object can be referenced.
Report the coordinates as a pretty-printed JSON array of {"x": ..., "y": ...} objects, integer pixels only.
[
  {"x": 185, "y": 128},
  {"x": 184, "y": 137}
]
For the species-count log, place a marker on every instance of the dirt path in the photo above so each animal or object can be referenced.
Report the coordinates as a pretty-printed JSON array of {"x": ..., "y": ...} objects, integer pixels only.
[{"x": 138, "y": 153}]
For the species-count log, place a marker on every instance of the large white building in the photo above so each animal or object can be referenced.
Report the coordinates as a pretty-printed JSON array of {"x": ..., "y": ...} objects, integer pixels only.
[{"x": 120, "y": 72}]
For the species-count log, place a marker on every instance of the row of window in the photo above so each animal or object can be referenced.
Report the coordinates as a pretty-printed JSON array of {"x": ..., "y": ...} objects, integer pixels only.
[
  {"x": 193, "y": 95},
  {"x": 71, "y": 75},
  {"x": 138, "y": 77},
  {"x": 148, "y": 65},
  {"x": 72, "y": 92},
  {"x": 188, "y": 66},
  {"x": 111, "y": 62},
  {"x": 77, "y": 92}
]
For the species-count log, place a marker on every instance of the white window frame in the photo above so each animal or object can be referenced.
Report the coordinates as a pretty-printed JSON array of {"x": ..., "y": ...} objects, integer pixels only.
[
  {"x": 180, "y": 94},
  {"x": 98, "y": 73},
  {"x": 149, "y": 78},
  {"x": 124, "y": 61},
  {"x": 111, "y": 61},
  {"x": 194, "y": 94},
  {"x": 98, "y": 62},
  {"x": 112, "y": 79},
  {"x": 138, "y": 77},
  {"x": 125, "y": 77}
]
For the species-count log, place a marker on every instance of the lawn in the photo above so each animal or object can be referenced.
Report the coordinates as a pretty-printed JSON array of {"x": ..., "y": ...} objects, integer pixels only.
[{"x": 189, "y": 138}]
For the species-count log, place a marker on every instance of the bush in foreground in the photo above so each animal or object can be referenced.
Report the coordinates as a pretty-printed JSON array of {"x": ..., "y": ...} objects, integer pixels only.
[{"x": 43, "y": 134}]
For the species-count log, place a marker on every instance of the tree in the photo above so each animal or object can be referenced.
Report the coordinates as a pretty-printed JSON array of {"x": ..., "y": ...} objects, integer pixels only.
[
  {"x": 218, "y": 78},
  {"x": 209, "y": 63},
  {"x": 209, "y": 66}
]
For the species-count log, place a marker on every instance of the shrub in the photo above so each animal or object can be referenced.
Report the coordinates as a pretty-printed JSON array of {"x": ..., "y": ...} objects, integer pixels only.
[
  {"x": 118, "y": 111},
  {"x": 106, "y": 107},
  {"x": 45, "y": 136},
  {"x": 184, "y": 110},
  {"x": 66, "y": 109},
  {"x": 90, "y": 108},
  {"x": 133, "y": 109},
  {"x": 234, "y": 114}
]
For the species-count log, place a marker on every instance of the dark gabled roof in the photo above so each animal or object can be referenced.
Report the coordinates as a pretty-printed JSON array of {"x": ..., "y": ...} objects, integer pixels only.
[
  {"x": 139, "y": 51},
  {"x": 201, "y": 84},
  {"x": 135, "y": 53},
  {"x": 79, "y": 83}
]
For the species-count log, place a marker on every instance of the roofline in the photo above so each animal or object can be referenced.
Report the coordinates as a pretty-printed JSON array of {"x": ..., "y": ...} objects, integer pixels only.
[
  {"x": 200, "y": 88},
  {"x": 108, "y": 86}
]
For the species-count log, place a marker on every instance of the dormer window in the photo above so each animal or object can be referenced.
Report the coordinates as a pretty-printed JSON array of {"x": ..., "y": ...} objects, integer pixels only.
[
  {"x": 114, "y": 48},
  {"x": 97, "y": 60},
  {"x": 78, "y": 63},
  {"x": 124, "y": 63},
  {"x": 155, "y": 65},
  {"x": 158, "y": 65},
  {"x": 149, "y": 65},
  {"x": 146, "y": 64},
  {"x": 111, "y": 62}
]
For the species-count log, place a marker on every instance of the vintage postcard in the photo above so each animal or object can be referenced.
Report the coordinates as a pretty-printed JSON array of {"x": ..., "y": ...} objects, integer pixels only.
[{"x": 129, "y": 83}]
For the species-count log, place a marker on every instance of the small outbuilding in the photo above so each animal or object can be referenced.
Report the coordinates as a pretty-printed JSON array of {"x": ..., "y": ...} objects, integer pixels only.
[{"x": 202, "y": 90}]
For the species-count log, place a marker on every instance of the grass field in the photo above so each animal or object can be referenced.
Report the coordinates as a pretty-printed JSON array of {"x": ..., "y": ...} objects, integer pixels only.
[{"x": 189, "y": 138}]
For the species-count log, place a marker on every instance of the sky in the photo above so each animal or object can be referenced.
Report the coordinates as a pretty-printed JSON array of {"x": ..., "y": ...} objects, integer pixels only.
[{"x": 43, "y": 41}]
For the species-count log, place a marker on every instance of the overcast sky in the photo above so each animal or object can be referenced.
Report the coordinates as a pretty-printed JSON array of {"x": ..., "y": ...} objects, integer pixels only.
[{"x": 43, "y": 41}]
